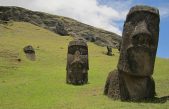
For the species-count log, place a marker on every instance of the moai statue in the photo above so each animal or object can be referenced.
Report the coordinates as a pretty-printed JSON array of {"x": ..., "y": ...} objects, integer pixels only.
[
  {"x": 77, "y": 63},
  {"x": 109, "y": 51},
  {"x": 30, "y": 52},
  {"x": 133, "y": 78},
  {"x": 119, "y": 46}
]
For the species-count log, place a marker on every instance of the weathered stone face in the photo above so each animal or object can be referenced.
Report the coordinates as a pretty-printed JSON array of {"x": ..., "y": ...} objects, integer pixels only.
[
  {"x": 132, "y": 80},
  {"x": 77, "y": 63},
  {"x": 140, "y": 41},
  {"x": 30, "y": 52}
]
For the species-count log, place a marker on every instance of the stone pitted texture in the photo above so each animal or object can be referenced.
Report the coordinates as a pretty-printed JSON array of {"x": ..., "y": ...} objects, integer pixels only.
[
  {"x": 30, "y": 52},
  {"x": 113, "y": 81},
  {"x": 77, "y": 63},
  {"x": 60, "y": 25},
  {"x": 133, "y": 77}
]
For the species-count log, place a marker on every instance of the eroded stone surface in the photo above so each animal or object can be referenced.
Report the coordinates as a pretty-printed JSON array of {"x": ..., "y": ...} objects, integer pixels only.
[
  {"x": 77, "y": 63},
  {"x": 137, "y": 56}
]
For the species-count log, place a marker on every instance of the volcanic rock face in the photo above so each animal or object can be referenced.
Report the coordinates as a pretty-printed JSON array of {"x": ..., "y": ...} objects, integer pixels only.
[
  {"x": 77, "y": 63},
  {"x": 133, "y": 78},
  {"x": 60, "y": 29},
  {"x": 60, "y": 25}
]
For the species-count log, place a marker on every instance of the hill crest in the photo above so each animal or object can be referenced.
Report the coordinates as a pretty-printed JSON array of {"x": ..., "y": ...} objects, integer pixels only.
[{"x": 60, "y": 25}]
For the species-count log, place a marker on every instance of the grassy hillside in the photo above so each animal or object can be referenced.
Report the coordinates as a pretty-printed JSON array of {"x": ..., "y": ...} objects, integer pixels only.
[{"x": 41, "y": 84}]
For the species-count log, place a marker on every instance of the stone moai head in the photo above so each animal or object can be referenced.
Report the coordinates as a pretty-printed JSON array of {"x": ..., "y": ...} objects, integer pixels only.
[
  {"x": 109, "y": 50},
  {"x": 77, "y": 63},
  {"x": 139, "y": 41},
  {"x": 30, "y": 52}
]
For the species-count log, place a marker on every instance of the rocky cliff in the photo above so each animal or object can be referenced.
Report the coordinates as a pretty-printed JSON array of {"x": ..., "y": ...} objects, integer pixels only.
[{"x": 60, "y": 25}]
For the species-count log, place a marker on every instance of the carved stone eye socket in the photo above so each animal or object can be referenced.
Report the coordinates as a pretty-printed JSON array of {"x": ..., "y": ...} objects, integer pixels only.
[
  {"x": 81, "y": 49},
  {"x": 141, "y": 39}
]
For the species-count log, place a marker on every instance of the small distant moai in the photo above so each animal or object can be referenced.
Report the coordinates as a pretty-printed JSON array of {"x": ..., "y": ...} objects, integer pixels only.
[
  {"x": 77, "y": 63},
  {"x": 30, "y": 52},
  {"x": 109, "y": 51},
  {"x": 133, "y": 78},
  {"x": 119, "y": 46}
]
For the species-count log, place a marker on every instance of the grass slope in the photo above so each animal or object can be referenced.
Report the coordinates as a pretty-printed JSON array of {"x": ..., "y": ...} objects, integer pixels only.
[{"x": 41, "y": 84}]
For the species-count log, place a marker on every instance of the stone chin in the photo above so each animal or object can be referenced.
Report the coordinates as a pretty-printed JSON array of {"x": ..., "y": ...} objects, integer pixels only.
[{"x": 140, "y": 60}]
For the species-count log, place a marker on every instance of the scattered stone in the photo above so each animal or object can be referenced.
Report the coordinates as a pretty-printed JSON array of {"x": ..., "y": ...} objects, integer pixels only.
[
  {"x": 133, "y": 78},
  {"x": 19, "y": 60},
  {"x": 89, "y": 37},
  {"x": 60, "y": 29},
  {"x": 77, "y": 63}
]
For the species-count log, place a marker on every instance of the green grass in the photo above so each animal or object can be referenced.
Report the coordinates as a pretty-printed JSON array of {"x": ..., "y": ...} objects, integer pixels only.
[{"x": 41, "y": 84}]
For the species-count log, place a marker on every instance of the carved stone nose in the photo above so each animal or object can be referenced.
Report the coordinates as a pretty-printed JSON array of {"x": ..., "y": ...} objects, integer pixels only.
[
  {"x": 141, "y": 35},
  {"x": 141, "y": 28},
  {"x": 77, "y": 55}
]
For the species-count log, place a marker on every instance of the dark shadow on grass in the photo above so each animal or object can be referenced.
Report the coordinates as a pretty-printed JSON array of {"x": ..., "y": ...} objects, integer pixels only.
[
  {"x": 105, "y": 53},
  {"x": 78, "y": 84},
  {"x": 160, "y": 100},
  {"x": 153, "y": 100}
]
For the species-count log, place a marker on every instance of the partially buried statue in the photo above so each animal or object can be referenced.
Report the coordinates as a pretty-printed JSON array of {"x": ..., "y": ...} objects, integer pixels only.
[
  {"x": 109, "y": 51},
  {"x": 30, "y": 52},
  {"x": 133, "y": 78},
  {"x": 77, "y": 63}
]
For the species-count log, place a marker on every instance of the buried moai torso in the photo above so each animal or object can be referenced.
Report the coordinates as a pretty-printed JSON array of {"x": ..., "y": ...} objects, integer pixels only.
[
  {"x": 109, "y": 51},
  {"x": 77, "y": 63},
  {"x": 30, "y": 52},
  {"x": 137, "y": 56}
]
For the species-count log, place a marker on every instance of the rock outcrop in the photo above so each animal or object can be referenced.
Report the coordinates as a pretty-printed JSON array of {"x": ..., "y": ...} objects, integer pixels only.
[{"x": 60, "y": 25}]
